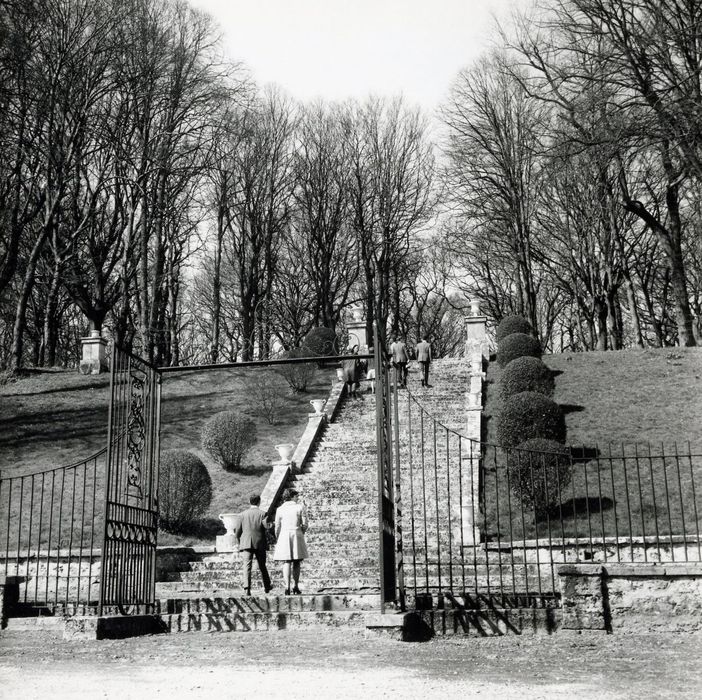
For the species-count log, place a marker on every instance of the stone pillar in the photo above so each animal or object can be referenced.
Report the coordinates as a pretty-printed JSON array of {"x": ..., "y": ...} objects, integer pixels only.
[
  {"x": 476, "y": 354},
  {"x": 582, "y": 595},
  {"x": 356, "y": 327},
  {"x": 470, "y": 510},
  {"x": 476, "y": 335},
  {"x": 93, "y": 349}
]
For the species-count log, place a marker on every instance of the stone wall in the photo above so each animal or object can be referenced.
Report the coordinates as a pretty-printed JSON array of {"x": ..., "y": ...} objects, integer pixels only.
[{"x": 632, "y": 597}]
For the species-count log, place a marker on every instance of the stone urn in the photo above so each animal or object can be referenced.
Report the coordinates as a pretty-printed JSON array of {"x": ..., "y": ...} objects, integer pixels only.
[
  {"x": 228, "y": 541},
  {"x": 475, "y": 307},
  {"x": 230, "y": 520},
  {"x": 285, "y": 451},
  {"x": 318, "y": 405}
]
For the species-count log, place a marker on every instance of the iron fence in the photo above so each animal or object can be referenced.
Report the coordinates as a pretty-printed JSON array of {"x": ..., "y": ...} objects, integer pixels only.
[
  {"x": 483, "y": 521},
  {"x": 50, "y": 531}
]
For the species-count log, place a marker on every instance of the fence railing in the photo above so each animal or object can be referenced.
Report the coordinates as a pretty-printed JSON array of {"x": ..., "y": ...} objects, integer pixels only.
[
  {"x": 480, "y": 520},
  {"x": 51, "y": 525},
  {"x": 623, "y": 503}
]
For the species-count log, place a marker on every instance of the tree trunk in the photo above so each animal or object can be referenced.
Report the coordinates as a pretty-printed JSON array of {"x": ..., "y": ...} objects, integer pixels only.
[
  {"x": 50, "y": 320},
  {"x": 17, "y": 351},
  {"x": 601, "y": 314},
  {"x": 217, "y": 286},
  {"x": 633, "y": 312}
]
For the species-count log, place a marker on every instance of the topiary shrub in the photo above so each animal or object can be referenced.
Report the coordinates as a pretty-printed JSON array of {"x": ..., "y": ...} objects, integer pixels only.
[
  {"x": 539, "y": 472},
  {"x": 517, "y": 345},
  {"x": 512, "y": 324},
  {"x": 184, "y": 489},
  {"x": 227, "y": 437},
  {"x": 320, "y": 342},
  {"x": 530, "y": 415},
  {"x": 526, "y": 374},
  {"x": 298, "y": 376}
]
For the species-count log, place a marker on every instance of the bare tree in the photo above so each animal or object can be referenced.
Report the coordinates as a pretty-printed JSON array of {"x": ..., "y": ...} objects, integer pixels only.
[
  {"x": 493, "y": 137},
  {"x": 392, "y": 172},
  {"x": 323, "y": 210}
]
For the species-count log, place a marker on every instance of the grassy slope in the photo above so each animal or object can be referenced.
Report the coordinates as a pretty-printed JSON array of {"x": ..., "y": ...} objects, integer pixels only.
[
  {"x": 652, "y": 395},
  {"x": 58, "y": 417},
  {"x": 634, "y": 396}
]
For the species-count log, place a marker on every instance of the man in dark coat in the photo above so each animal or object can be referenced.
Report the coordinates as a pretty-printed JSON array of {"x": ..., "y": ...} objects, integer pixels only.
[
  {"x": 251, "y": 533},
  {"x": 424, "y": 359}
]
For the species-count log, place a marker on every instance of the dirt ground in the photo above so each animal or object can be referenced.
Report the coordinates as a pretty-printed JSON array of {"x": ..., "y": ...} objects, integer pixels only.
[{"x": 342, "y": 664}]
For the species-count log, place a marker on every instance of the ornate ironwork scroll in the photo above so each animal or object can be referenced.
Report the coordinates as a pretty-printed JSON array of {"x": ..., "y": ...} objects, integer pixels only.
[{"x": 131, "y": 494}]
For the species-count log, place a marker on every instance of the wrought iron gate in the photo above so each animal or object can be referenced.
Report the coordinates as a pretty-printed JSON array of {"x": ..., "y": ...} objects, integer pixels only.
[
  {"x": 131, "y": 489},
  {"x": 392, "y": 589}
]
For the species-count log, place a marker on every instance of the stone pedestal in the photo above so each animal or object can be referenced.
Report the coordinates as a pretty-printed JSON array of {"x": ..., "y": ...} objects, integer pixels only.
[
  {"x": 476, "y": 336},
  {"x": 356, "y": 327},
  {"x": 470, "y": 512},
  {"x": 582, "y": 595},
  {"x": 93, "y": 350},
  {"x": 227, "y": 543}
]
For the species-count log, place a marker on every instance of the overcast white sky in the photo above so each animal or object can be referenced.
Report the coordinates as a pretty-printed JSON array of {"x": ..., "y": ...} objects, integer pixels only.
[{"x": 337, "y": 49}]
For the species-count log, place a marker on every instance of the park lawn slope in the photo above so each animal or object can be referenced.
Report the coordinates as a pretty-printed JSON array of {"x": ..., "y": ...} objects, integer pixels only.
[
  {"x": 637, "y": 404},
  {"x": 632, "y": 396},
  {"x": 55, "y": 418}
]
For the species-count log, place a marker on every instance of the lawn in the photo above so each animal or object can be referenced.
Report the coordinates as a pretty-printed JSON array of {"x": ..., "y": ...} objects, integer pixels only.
[
  {"x": 628, "y": 412},
  {"x": 55, "y": 418}
]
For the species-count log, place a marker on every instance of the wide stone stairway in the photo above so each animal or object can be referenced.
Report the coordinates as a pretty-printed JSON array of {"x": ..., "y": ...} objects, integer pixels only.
[{"x": 339, "y": 580}]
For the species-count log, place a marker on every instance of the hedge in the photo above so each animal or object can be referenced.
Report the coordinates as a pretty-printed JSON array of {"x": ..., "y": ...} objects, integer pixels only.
[
  {"x": 539, "y": 472},
  {"x": 517, "y": 345},
  {"x": 184, "y": 489},
  {"x": 512, "y": 324},
  {"x": 526, "y": 374},
  {"x": 227, "y": 437},
  {"x": 529, "y": 415}
]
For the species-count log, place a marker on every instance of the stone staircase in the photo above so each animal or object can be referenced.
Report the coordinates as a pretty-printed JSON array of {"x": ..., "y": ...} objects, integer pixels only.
[{"x": 340, "y": 579}]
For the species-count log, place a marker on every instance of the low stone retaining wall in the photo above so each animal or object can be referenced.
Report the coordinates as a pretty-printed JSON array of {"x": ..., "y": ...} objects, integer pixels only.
[
  {"x": 631, "y": 597},
  {"x": 280, "y": 473}
]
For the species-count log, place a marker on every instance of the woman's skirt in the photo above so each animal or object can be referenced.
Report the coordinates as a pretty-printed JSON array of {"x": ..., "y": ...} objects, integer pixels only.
[{"x": 290, "y": 546}]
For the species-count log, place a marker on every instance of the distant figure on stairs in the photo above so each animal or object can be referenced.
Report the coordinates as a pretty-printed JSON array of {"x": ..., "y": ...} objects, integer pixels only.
[
  {"x": 251, "y": 533},
  {"x": 290, "y": 546},
  {"x": 424, "y": 359},
  {"x": 398, "y": 351},
  {"x": 350, "y": 369}
]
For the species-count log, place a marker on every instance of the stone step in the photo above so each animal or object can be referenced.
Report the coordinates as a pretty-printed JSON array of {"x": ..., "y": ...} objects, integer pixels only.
[
  {"x": 324, "y": 573},
  {"x": 198, "y": 603},
  {"x": 311, "y": 584},
  {"x": 316, "y": 562},
  {"x": 265, "y": 621}
]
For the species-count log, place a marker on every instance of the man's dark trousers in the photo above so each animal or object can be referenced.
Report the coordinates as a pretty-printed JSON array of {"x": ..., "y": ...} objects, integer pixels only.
[
  {"x": 260, "y": 554},
  {"x": 251, "y": 532}
]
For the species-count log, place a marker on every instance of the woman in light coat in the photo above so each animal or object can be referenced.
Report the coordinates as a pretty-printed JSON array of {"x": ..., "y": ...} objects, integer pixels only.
[{"x": 290, "y": 547}]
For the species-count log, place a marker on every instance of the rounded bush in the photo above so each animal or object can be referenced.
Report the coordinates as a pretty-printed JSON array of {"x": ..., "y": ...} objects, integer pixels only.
[
  {"x": 227, "y": 437},
  {"x": 184, "y": 489},
  {"x": 321, "y": 342},
  {"x": 539, "y": 472},
  {"x": 300, "y": 375},
  {"x": 512, "y": 324},
  {"x": 526, "y": 374},
  {"x": 530, "y": 415},
  {"x": 517, "y": 345}
]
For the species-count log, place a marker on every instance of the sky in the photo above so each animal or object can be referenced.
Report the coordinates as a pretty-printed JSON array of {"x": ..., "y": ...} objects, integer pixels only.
[{"x": 336, "y": 49}]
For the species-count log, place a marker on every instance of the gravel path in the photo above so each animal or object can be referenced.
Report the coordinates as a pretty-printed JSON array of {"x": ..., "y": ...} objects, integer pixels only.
[{"x": 343, "y": 664}]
